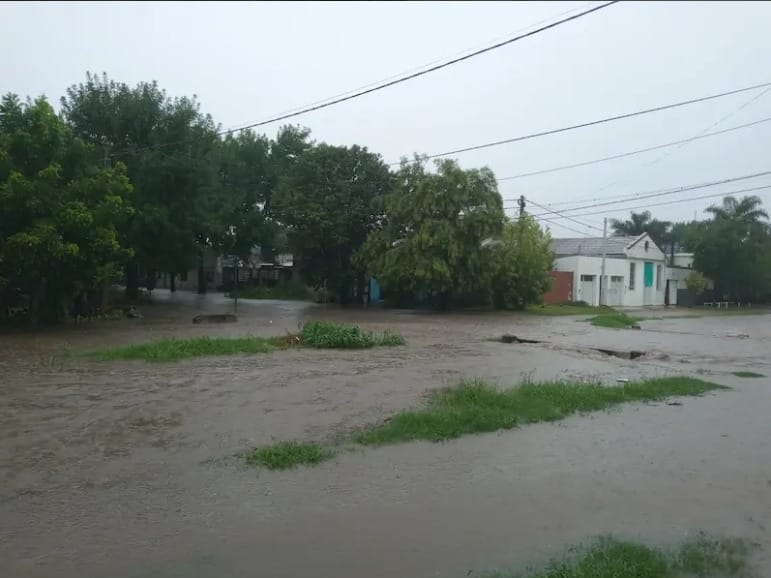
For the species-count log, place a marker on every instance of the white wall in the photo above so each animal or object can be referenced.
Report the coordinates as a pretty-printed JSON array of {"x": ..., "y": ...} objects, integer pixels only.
[
  {"x": 683, "y": 260},
  {"x": 651, "y": 253},
  {"x": 581, "y": 265}
]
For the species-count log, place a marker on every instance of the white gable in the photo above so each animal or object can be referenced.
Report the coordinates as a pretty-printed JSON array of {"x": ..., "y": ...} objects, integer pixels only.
[{"x": 645, "y": 248}]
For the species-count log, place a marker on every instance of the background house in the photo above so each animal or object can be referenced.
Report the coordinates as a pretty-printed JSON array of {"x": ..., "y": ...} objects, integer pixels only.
[{"x": 635, "y": 270}]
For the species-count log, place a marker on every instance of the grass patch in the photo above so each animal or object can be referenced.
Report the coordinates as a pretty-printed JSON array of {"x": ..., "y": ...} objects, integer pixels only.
[
  {"x": 288, "y": 455},
  {"x": 570, "y": 308},
  {"x": 316, "y": 334},
  {"x": 326, "y": 335},
  {"x": 610, "y": 557},
  {"x": 614, "y": 320},
  {"x": 748, "y": 374},
  {"x": 475, "y": 407},
  {"x": 286, "y": 291},
  {"x": 174, "y": 349}
]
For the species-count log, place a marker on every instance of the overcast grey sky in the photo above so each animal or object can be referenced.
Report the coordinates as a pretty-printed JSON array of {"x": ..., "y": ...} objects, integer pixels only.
[{"x": 249, "y": 61}]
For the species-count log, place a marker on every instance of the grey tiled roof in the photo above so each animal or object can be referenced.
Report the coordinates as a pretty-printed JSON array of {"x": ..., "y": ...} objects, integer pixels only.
[{"x": 591, "y": 246}]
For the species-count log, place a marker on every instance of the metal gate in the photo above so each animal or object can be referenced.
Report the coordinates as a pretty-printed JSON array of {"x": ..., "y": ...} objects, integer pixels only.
[{"x": 616, "y": 291}]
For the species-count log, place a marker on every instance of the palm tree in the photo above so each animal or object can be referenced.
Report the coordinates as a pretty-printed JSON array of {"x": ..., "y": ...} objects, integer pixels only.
[
  {"x": 747, "y": 210},
  {"x": 640, "y": 223}
]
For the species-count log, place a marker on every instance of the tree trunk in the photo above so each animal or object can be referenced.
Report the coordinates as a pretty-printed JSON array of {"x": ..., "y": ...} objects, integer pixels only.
[
  {"x": 172, "y": 282},
  {"x": 201, "y": 277},
  {"x": 132, "y": 281}
]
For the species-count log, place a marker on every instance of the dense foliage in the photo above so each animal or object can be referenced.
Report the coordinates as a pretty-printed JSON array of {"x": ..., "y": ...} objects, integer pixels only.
[{"x": 127, "y": 182}]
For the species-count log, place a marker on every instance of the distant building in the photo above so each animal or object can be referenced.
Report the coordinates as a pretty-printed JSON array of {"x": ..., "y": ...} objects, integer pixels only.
[{"x": 635, "y": 270}]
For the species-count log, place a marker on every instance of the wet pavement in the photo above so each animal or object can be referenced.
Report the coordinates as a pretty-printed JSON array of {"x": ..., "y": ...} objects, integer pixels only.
[{"x": 128, "y": 469}]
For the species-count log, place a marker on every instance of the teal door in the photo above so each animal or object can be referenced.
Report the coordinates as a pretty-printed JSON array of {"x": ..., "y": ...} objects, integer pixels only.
[{"x": 648, "y": 275}]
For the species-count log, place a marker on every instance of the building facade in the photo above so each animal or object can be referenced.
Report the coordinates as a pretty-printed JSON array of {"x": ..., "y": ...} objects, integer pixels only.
[{"x": 635, "y": 270}]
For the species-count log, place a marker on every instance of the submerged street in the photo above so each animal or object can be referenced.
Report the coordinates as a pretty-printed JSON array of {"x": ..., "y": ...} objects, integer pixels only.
[{"x": 128, "y": 469}]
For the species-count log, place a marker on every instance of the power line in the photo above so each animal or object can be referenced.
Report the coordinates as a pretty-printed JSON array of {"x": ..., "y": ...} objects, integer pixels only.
[
  {"x": 572, "y": 230},
  {"x": 427, "y": 70},
  {"x": 417, "y": 68},
  {"x": 635, "y": 152},
  {"x": 661, "y": 204},
  {"x": 665, "y": 192},
  {"x": 713, "y": 125},
  {"x": 404, "y": 78},
  {"x": 592, "y": 123},
  {"x": 532, "y": 202}
]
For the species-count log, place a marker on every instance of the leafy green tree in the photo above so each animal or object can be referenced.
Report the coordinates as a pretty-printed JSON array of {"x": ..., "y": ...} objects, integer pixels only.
[
  {"x": 60, "y": 211},
  {"x": 328, "y": 199},
  {"x": 430, "y": 238},
  {"x": 640, "y": 223},
  {"x": 732, "y": 249},
  {"x": 696, "y": 283},
  {"x": 170, "y": 150},
  {"x": 523, "y": 259}
]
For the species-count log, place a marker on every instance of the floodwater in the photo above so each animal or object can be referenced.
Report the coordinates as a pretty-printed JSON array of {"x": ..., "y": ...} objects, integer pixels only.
[{"x": 127, "y": 469}]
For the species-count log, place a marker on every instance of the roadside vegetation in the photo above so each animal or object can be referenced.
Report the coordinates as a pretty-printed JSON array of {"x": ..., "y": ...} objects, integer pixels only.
[
  {"x": 748, "y": 374},
  {"x": 615, "y": 320},
  {"x": 288, "y": 455},
  {"x": 477, "y": 407},
  {"x": 568, "y": 308},
  {"x": 316, "y": 334},
  {"x": 611, "y": 557}
]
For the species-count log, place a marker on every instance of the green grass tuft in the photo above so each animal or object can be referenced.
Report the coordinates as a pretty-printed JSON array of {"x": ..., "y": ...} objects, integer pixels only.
[
  {"x": 287, "y": 455},
  {"x": 475, "y": 407},
  {"x": 569, "y": 308},
  {"x": 613, "y": 558},
  {"x": 614, "y": 320},
  {"x": 327, "y": 335},
  {"x": 174, "y": 349},
  {"x": 314, "y": 334},
  {"x": 748, "y": 374}
]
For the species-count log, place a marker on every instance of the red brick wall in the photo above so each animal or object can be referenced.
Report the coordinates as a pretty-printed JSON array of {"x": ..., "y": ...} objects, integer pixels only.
[{"x": 561, "y": 287}]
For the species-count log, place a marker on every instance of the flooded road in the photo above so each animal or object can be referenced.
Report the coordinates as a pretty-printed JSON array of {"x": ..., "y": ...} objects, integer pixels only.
[{"x": 128, "y": 469}]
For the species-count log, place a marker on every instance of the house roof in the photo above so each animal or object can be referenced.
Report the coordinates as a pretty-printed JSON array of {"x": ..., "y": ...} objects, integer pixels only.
[{"x": 592, "y": 246}]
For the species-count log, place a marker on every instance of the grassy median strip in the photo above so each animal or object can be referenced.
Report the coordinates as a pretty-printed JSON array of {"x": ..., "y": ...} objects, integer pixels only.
[
  {"x": 614, "y": 320},
  {"x": 748, "y": 374},
  {"x": 316, "y": 334},
  {"x": 610, "y": 557},
  {"x": 476, "y": 407},
  {"x": 288, "y": 455},
  {"x": 174, "y": 349}
]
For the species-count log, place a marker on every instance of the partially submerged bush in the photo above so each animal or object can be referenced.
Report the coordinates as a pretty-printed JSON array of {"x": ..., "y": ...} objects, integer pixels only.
[{"x": 328, "y": 335}]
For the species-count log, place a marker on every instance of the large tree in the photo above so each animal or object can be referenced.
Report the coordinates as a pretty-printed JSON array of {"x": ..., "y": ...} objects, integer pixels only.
[
  {"x": 169, "y": 148},
  {"x": 640, "y": 223},
  {"x": 734, "y": 247},
  {"x": 61, "y": 212},
  {"x": 430, "y": 239},
  {"x": 522, "y": 258},
  {"x": 330, "y": 201}
]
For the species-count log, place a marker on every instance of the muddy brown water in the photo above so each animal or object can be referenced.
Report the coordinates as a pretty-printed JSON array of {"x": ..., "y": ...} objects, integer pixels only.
[{"x": 127, "y": 469}]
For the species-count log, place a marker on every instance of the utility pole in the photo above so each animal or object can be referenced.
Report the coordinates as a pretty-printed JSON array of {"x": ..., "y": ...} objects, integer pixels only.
[
  {"x": 602, "y": 267},
  {"x": 521, "y": 203}
]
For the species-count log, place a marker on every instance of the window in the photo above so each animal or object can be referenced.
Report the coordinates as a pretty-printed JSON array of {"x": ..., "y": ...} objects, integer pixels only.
[
  {"x": 658, "y": 277},
  {"x": 632, "y": 275},
  {"x": 647, "y": 244},
  {"x": 587, "y": 277},
  {"x": 616, "y": 279}
]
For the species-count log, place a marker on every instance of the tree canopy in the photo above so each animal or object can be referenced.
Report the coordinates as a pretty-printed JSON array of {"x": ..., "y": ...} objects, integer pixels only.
[
  {"x": 430, "y": 239},
  {"x": 640, "y": 223}
]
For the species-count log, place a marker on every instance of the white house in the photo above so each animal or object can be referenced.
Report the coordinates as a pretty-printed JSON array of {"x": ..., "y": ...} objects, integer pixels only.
[{"x": 635, "y": 270}]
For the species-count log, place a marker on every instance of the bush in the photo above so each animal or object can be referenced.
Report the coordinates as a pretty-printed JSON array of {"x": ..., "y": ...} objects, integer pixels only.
[
  {"x": 327, "y": 335},
  {"x": 696, "y": 283}
]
